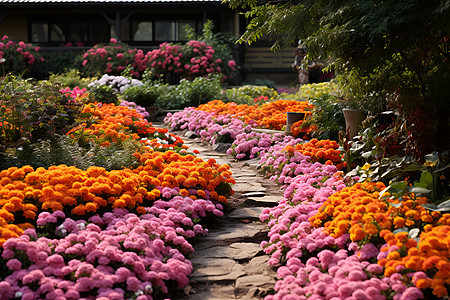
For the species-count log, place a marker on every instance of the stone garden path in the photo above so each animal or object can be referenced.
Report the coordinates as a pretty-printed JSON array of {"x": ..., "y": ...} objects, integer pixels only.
[{"x": 228, "y": 262}]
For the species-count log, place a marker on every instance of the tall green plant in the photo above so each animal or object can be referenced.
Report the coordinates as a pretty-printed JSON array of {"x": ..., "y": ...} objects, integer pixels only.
[{"x": 386, "y": 52}]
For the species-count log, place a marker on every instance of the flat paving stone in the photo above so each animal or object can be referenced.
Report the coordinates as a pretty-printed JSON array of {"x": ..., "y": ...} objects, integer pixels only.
[
  {"x": 255, "y": 282},
  {"x": 214, "y": 292},
  {"x": 259, "y": 265},
  {"x": 246, "y": 187},
  {"x": 217, "y": 270},
  {"x": 251, "y": 213},
  {"x": 235, "y": 251},
  {"x": 267, "y": 201},
  {"x": 239, "y": 231}
]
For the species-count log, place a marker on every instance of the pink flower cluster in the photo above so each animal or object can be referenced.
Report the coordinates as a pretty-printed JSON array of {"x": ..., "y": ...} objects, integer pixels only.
[
  {"x": 75, "y": 93},
  {"x": 193, "y": 59},
  {"x": 167, "y": 58},
  {"x": 117, "y": 256},
  {"x": 18, "y": 56},
  {"x": 132, "y": 105},
  {"x": 113, "y": 59},
  {"x": 252, "y": 145},
  {"x": 210, "y": 127}
]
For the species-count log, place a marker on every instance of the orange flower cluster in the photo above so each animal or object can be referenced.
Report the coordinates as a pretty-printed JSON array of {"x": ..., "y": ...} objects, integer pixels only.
[
  {"x": 270, "y": 115},
  {"x": 359, "y": 211},
  {"x": 171, "y": 169},
  {"x": 430, "y": 255},
  {"x": 115, "y": 124},
  {"x": 25, "y": 191},
  {"x": 102, "y": 133},
  {"x": 323, "y": 151},
  {"x": 298, "y": 131},
  {"x": 116, "y": 114}
]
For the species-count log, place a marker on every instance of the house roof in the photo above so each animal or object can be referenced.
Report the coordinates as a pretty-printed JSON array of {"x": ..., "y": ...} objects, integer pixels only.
[
  {"x": 97, "y": 1},
  {"x": 101, "y": 3}
]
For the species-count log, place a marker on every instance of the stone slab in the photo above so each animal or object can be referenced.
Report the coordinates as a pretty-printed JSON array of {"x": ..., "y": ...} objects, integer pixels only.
[
  {"x": 241, "y": 232},
  {"x": 217, "y": 270},
  {"x": 250, "y": 213},
  {"x": 267, "y": 201},
  {"x": 235, "y": 251},
  {"x": 259, "y": 265},
  {"x": 261, "y": 282},
  {"x": 246, "y": 187},
  {"x": 214, "y": 292}
]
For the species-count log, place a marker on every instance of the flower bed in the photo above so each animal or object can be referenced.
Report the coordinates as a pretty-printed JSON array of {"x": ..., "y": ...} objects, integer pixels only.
[
  {"x": 68, "y": 233},
  {"x": 330, "y": 238}
]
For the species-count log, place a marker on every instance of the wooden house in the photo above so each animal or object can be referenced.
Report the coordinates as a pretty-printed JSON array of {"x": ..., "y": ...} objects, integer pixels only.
[{"x": 62, "y": 25}]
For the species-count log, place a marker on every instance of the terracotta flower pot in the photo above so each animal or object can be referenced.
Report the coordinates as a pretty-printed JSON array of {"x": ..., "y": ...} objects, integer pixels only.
[
  {"x": 152, "y": 112},
  {"x": 353, "y": 120}
]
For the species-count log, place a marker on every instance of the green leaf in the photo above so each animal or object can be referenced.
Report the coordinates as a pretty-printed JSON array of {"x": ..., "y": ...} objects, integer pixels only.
[
  {"x": 444, "y": 204},
  {"x": 367, "y": 154},
  {"x": 396, "y": 205},
  {"x": 398, "y": 185},
  {"x": 417, "y": 190}
]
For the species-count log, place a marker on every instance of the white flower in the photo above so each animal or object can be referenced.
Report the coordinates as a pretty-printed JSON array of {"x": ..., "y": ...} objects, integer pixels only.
[
  {"x": 148, "y": 289},
  {"x": 81, "y": 226}
]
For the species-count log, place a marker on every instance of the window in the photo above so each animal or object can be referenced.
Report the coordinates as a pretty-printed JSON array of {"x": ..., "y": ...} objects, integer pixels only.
[
  {"x": 39, "y": 32},
  {"x": 172, "y": 30},
  {"x": 84, "y": 29},
  {"x": 143, "y": 31}
]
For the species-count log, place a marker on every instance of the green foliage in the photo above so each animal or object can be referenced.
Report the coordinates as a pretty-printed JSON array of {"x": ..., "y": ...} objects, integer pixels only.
[
  {"x": 386, "y": 52},
  {"x": 190, "y": 93},
  {"x": 104, "y": 94},
  {"x": 262, "y": 82},
  {"x": 327, "y": 116},
  {"x": 57, "y": 62},
  {"x": 33, "y": 111},
  {"x": 71, "y": 78},
  {"x": 63, "y": 150},
  {"x": 144, "y": 95},
  {"x": 248, "y": 93}
]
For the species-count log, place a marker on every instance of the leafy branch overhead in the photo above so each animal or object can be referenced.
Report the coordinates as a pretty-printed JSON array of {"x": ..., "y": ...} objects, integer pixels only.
[{"x": 386, "y": 53}]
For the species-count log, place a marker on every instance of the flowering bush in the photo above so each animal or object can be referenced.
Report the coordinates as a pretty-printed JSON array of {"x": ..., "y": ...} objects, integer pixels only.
[
  {"x": 30, "y": 112},
  {"x": 117, "y": 83},
  {"x": 194, "y": 59},
  {"x": 112, "y": 59},
  {"x": 18, "y": 57},
  {"x": 252, "y": 145},
  {"x": 166, "y": 59}
]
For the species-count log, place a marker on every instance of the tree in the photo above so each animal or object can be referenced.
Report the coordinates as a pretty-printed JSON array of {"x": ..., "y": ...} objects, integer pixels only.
[{"x": 394, "y": 51}]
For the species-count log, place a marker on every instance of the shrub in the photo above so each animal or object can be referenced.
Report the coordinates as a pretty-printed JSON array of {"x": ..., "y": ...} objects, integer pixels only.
[
  {"x": 71, "y": 78},
  {"x": 118, "y": 84},
  {"x": 112, "y": 59},
  {"x": 248, "y": 93},
  {"x": 18, "y": 57},
  {"x": 57, "y": 62},
  {"x": 190, "y": 93},
  {"x": 33, "y": 111},
  {"x": 143, "y": 95},
  {"x": 203, "y": 55}
]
